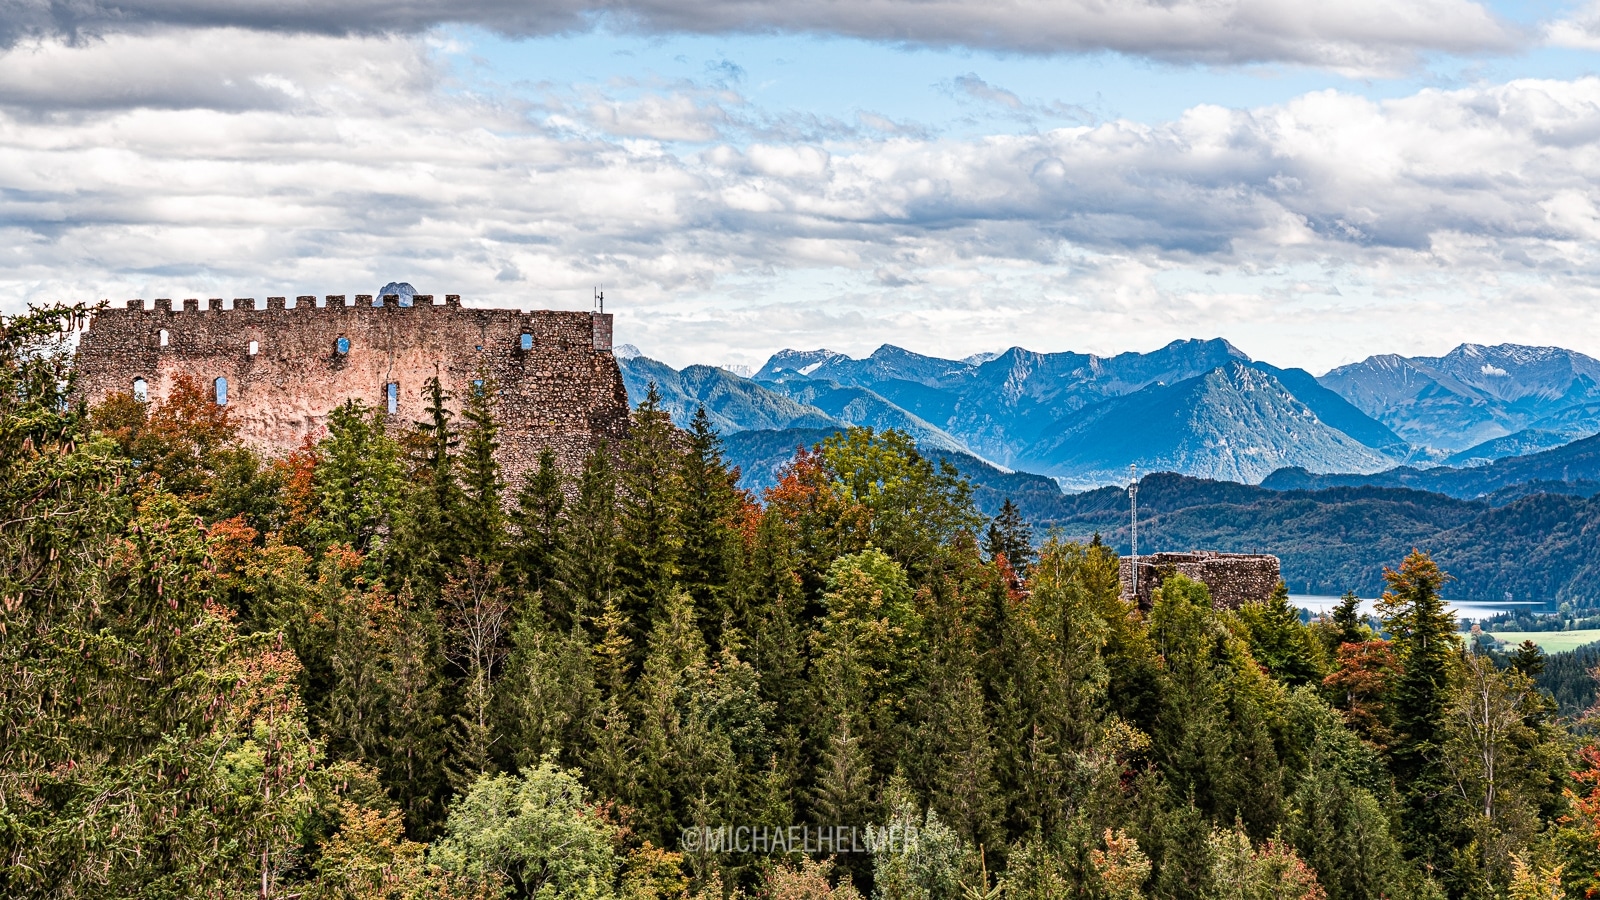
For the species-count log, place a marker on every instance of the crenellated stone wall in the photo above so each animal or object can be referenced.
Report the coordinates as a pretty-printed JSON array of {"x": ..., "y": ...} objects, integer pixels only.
[
  {"x": 1233, "y": 578},
  {"x": 286, "y": 368}
]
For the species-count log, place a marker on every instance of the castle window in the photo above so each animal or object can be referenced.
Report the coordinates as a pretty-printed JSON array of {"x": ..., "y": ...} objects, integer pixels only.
[
  {"x": 221, "y": 385},
  {"x": 392, "y": 393},
  {"x": 163, "y": 337},
  {"x": 254, "y": 348},
  {"x": 342, "y": 345},
  {"x": 141, "y": 391},
  {"x": 527, "y": 341}
]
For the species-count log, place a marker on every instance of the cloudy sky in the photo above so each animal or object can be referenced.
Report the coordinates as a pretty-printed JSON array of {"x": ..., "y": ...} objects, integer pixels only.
[{"x": 1314, "y": 181}]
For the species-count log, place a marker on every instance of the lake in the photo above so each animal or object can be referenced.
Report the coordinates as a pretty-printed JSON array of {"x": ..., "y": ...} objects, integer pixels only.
[{"x": 1464, "y": 609}]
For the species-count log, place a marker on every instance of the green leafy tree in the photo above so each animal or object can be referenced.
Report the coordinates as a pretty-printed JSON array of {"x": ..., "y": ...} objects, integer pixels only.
[
  {"x": 915, "y": 508},
  {"x": 537, "y": 832}
]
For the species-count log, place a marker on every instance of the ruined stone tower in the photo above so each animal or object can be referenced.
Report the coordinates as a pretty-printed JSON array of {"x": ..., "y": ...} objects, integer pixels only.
[
  {"x": 1234, "y": 579},
  {"x": 282, "y": 368}
]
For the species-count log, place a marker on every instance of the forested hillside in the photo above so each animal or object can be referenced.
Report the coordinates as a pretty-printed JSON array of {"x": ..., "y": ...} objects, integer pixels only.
[{"x": 372, "y": 669}]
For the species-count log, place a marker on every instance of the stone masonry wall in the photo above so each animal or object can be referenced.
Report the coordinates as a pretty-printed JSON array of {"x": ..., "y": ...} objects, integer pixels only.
[
  {"x": 1233, "y": 578},
  {"x": 564, "y": 391}
]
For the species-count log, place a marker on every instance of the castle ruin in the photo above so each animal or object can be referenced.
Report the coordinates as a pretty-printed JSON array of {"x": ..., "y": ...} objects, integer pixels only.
[
  {"x": 1234, "y": 579},
  {"x": 281, "y": 368}
]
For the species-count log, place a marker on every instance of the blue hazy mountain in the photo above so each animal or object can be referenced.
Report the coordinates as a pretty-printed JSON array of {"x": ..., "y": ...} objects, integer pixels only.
[
  {"x": 1235, "y": 423},
  {"x": 1475, "y": 394},
  {"x": 401, "y": 289},
  {"x": 1195, "y": 407},
  {"x": 737, "y": 404},
  {"x": 733, "y": 403},
  {"x": 1072, "y": 416}
]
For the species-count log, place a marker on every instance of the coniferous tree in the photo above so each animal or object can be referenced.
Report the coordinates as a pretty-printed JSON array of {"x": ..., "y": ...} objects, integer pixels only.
[
  {"x": 1213, "y": 736},
  {"x": 412, "y": 762},
  {"x": 711, "y": 500},
  {"x": 649, "y": 511},
  {"x": 481, "y": 520},
  {"x": 357, "y": 481},
  {"x": 431, "y": 542},
  {"x": 539, "y": 526},
  {"x": 584, "y": 578},
  {"x": 548, "y": 692},
  {"x": 609, "y": 736},
  {"x": 1423, "y": 632},
  {"x": 1281, "y": 642},
  {"x": 1010, "y": 536},
  {"x": 1528, "y": 659},
  {"x": 1426, "y": 650}
]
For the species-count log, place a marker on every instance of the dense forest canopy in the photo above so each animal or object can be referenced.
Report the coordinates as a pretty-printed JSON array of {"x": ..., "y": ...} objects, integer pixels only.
[{"x": 371, "y": 668}]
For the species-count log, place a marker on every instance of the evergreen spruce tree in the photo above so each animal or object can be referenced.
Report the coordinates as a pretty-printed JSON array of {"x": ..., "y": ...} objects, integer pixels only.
[
  {"x": 1281, "y": 642},
  {"x": 1528, "y": 659},
  {"x": 1350, "y": 624},
  {"x": 430, "y": 544},
  {"x": 649, "y": 525},
  {"x": 585, "y": 564},
  {"x": 1010, "y": 536},
  {"x": 412, "y": 763},
  {"x": 357, "y": 481},
  {"x": 711, "y": 499},
  {"x": 547, "y": 694},
  {"x": 1423, "y": 631},
  {"x": 539, "y": 526},
  {"x": 608, "y": 747},
  {"x": 481, "y": 520}
]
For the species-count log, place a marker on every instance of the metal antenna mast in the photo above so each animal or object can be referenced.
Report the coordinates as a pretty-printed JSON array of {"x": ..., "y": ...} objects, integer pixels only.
[
  {"x": 600, "y": 300},
  {"x": 1133, "y": 527}
]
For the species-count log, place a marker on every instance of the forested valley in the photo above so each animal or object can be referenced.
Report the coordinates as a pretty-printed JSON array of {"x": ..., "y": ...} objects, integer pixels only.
[{"x": 373, "y": 668}]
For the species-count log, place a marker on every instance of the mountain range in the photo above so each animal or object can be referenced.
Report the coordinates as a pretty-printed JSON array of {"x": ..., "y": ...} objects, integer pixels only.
[
  {"x": 1338, "y": 475},
  {"x": 1197, "y": 407}
]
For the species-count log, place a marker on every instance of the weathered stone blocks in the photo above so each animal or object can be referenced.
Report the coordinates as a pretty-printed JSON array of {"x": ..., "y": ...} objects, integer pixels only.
[
  {"x": 565, "y": 392},
  {"x": 1234, "y": 579}
]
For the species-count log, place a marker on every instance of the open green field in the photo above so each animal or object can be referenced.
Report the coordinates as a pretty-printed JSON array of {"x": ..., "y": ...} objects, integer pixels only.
[{"x": 1551, "y": 641}]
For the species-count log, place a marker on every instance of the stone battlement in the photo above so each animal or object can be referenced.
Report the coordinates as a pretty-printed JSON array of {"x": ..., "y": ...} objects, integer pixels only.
[
  {"x": 1234, "y": 579},
  {"x": 282, "y": 368}
]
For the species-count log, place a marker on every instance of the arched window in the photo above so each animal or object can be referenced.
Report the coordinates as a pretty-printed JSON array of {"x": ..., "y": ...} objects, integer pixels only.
[
  {"x": 141, "y": 391},
  {"x": 527, "y": 341},
  {"x": 221, "y": 385},
  {"x": 342, "y": 345},
  {"x": 163, "y": 337},
  {"x": 392, "y": 395},
  {"x": 254, "y": 348}
]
